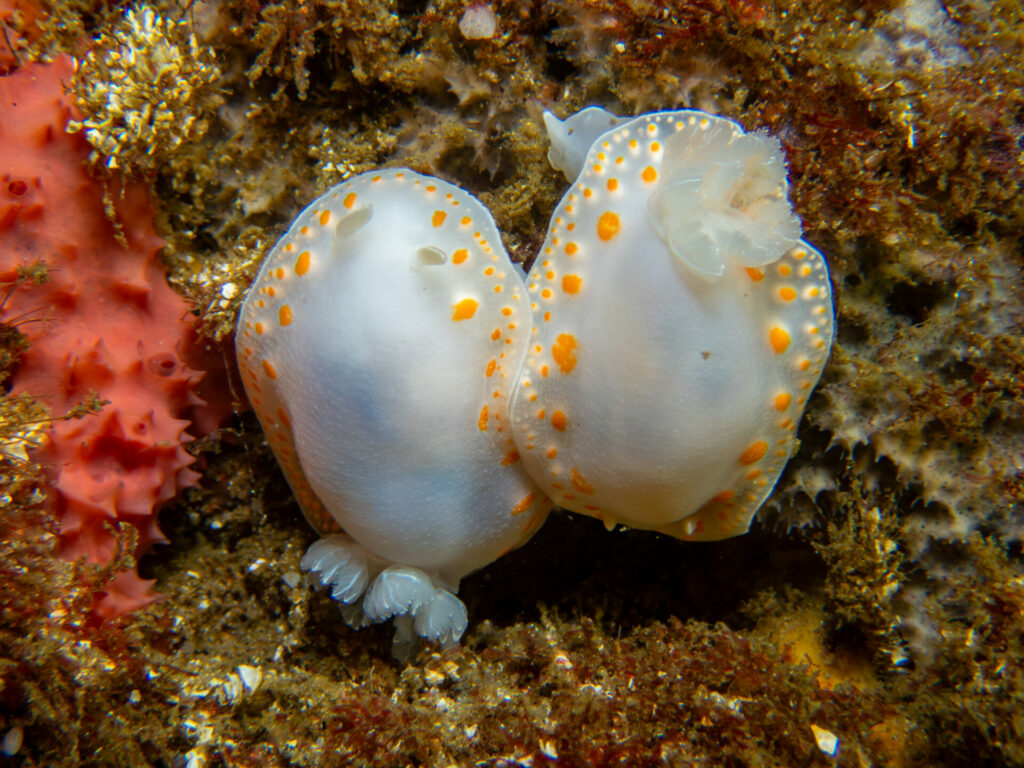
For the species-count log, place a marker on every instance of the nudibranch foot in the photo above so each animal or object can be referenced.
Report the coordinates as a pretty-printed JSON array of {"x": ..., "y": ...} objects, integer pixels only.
[
  {"x": 372, "y": 590},
  {"x": 341, "y": 565},
  {"x": 680, "y": 325},
  {"x": 438, "y": 614}
]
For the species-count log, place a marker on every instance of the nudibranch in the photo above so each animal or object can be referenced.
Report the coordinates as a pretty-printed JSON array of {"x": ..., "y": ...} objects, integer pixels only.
[
  {"x": 379, "y": 345},
  {"x": 680, "y": 324}
]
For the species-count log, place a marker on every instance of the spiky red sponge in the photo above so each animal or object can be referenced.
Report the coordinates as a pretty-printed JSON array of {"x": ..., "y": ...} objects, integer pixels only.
[{"x": 106, "y": 321}]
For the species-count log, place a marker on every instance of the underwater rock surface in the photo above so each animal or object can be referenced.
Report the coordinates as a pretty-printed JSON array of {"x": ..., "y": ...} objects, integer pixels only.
[{"x": 872, "y": 616}]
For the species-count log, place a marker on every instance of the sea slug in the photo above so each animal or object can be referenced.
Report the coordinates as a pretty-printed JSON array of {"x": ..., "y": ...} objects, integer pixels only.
[
  {"x": 378, "y": 346},
  {"x": 680, "y": 324}
]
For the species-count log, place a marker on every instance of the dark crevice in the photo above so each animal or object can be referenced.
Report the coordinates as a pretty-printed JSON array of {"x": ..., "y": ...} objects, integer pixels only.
[{"x": 915, "y": 301}]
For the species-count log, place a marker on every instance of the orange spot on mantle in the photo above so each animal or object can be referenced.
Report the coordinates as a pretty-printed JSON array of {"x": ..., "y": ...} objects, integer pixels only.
[
  {"x": 564, "y": 352},
  {"x": 608, "y": 225},
  {"x": 523, "y": 505},
  {"x": 754, "y": 452},
  {"x": 464, "y": 310},
  {"x": 579, "y": 482},
  {"x": 779, "y": 339}
]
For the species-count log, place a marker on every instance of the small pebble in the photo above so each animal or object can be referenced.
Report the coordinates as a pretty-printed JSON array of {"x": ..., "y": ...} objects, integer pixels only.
[
  {"x": 12, "y": 741},
  {"x": 478, "y": 23}
]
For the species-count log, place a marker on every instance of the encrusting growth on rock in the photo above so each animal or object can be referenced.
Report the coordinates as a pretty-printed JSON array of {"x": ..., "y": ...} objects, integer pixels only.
[{"x": 145, "y": 90}]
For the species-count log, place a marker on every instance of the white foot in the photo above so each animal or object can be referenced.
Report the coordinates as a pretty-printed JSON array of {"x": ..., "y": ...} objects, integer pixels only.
[
  {"x": 443, "y": 618},
  {"x": 340, "y": 564},
  {"x": 437, "y": 614},
  {"x": 408, "y": 595}
]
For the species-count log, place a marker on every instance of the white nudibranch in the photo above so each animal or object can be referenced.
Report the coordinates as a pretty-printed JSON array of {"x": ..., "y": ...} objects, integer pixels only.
[
  {"x": 378, "y": 347},
  {"x": 680, "y": 325}
]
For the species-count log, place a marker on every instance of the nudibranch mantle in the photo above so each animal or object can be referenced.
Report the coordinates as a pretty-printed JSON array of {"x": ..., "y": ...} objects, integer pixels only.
[
  {"x": 378, "y": 346},
  {"x": 680, "y": 326}
]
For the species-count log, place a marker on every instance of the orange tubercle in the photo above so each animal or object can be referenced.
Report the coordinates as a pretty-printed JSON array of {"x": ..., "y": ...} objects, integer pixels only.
[
  {"x": 464, "y": 310},
  {"x": 564, "y": 352},
  {"x": 608, "y": 225},
  {"x": 559, "y": 421},
  {"x": 754, "y": 452}
]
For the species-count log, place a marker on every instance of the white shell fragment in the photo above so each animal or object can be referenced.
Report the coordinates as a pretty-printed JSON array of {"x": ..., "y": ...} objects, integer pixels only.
[
  {"x": 827, "y": 741},
  {"x": 251, "y": 677},
  {"x": 680, "y": 326},
  {"x": 378, "y": 346}
]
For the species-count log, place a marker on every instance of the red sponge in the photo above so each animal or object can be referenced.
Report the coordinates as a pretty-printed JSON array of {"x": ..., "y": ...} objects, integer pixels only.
[{"x": 106, "y": 321}]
